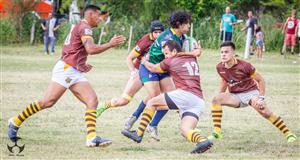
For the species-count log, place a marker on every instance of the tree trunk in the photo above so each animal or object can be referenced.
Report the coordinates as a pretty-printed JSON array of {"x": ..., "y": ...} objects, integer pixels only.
[
  {"x": 74, "y": 14},
  {"x": 32, "y": 31}
]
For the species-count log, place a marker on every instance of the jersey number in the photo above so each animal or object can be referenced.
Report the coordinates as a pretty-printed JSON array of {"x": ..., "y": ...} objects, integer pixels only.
[
  {"x": 192, "y": 68},
  {"x": 67, "y": 41}
]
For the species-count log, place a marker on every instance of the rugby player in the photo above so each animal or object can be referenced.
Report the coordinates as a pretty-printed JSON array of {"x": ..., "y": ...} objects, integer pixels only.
[
  {"x": 187, "y": 97},
  {"x": 156, "y": 83},
  {"x": 245, "y": 87},
  {"x": 68, "y": 74}
]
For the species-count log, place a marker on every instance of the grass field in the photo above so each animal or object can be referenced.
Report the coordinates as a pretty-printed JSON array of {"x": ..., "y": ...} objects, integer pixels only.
[{"x": 59, "y": 132}]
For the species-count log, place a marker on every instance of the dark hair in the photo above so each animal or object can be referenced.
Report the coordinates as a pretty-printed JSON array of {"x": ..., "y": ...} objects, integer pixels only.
[
  {"x": 258, "y": 29},
  {"x": 156, "y": 25},
  {"x": 91, "y": 7},
  {"x": 228, "y": 43},
  {"x": 172, "y": 44},
  {"x": 179, "y": 17}
]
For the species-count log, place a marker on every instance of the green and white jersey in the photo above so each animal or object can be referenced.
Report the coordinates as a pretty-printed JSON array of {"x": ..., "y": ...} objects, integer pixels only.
[{"x": 155, "y": 52}]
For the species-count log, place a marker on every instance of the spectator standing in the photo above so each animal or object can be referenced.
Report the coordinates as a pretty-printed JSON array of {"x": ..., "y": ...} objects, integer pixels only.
[
  {"x": 50, "y": 26},
  {"x": 227, "y": 21},
  {"x": 289, "y": 31},
  {"x": 251, "y": 23}
]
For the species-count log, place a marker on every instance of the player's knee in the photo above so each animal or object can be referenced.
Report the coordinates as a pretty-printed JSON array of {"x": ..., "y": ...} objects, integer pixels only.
[
  {"x": 92, "y": 102},
  {"x": 47, "y": 103},
  {"x": 150, "y": 103},
  {"x": 265, "y": 113},
  {"x": 217, "y": 99}
]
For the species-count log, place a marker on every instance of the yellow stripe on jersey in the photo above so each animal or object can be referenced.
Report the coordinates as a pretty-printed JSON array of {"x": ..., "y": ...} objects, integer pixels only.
[
  {"x": 83, "y": 38},
  {"x": 253, "y": 75},
  {"x": 136, "y": 52},
  {"x": 173, "y": 31},
  {"x": 151, "y": 37}
]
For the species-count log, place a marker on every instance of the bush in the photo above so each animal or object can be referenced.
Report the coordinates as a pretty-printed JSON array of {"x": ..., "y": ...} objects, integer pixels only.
[{"x": 8, "y": 32}]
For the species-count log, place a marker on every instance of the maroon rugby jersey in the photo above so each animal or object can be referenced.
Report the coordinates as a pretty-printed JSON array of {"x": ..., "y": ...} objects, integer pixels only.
[
  {"x": 142, "y": 47},
  {"x": 73, "y": 51},
  {"x": 238, "y": 77},
  {"x": 185, "y": 73}
]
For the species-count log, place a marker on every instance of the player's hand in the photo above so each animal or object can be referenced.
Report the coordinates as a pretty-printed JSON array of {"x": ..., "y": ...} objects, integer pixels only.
[{"x": 117, "y": 40}]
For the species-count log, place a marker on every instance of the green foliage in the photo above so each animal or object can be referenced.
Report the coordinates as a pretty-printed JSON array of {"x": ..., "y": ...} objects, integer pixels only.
[{"x": 8, "y": 32}]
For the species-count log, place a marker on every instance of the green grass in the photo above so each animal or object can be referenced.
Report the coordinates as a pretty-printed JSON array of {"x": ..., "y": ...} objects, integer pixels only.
[{"x": 59, "y": 132}]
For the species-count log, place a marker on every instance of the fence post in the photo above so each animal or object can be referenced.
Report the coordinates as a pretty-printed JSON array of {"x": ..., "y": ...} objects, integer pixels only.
[
  {"x": 100, "y": 36},
  {"x": 248, "y": 42},
  {"x": 192, "y": 26},
  {"x": 129, "y": 41}
]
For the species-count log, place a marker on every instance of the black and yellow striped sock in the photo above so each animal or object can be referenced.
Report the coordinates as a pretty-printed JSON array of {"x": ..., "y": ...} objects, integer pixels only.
[
  {"x": 278, "y": 123},
  {"x": 31, "y": 109},
  {"x": 90, "y": 121},
  {"x": 146, "y": 119},
  {"x": 216, "y": 111},
  {"x": 195, "y": 137}
]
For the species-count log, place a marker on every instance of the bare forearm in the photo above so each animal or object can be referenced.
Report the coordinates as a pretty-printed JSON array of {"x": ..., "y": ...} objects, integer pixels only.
[
  {"x": 97, "y": 49},
  {"x": 261, "y": 86},
  {"x": 152, "y": 67}
]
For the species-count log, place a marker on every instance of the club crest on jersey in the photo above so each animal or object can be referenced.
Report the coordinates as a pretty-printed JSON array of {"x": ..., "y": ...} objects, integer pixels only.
[
  {"x": 88, "y": 31},
  {"x": 138, "y": 49}
]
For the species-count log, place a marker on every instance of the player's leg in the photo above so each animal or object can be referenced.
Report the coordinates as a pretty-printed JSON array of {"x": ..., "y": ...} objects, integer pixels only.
[
  {"x": 133, "y": 85},
  {"x": 189, "y": 131},
  {"x": 156, "y": 103},
  {"x": 53, "y": 93},
  {"x": 276, "y": 120},
  {"x": 216, "y": 110},
  {"x": 85, "y": 93},
  {"x": 166, "y": 85},
  {"x": 151, "y": 84}
]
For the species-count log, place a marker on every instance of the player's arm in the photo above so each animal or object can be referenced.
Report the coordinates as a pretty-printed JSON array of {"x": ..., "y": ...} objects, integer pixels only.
[
  {"x": 223, "y": 85},
  {"x": 130, "y": 58},
  {"x": 261, "y": 83},
  {"x": 93, "y": 48},
  {"x": 155, "y": 68}
]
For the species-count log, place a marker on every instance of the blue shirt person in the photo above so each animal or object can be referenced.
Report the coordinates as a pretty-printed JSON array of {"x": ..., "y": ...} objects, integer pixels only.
[{"x": 226, "y": 25}]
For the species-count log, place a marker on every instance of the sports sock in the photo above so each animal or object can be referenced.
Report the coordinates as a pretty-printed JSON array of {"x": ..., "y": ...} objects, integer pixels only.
[
  {"x": 194, "y": 136},
  {"x": 216, "y": 111},
  {"x": 31, "y": 109},
  {"x": 90, "y": 121},
  {"x": 278, "y": 123},
  {"x": 146, "y": 118},
  {"x": 139, "y": 110},
  {"x": 157, "y": 117}
]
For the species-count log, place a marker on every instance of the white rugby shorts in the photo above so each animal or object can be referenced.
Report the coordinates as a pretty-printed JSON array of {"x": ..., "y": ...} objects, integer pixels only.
[
  {"x": 187, "y": 103},
  {"x": 66, "y": 75}
]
